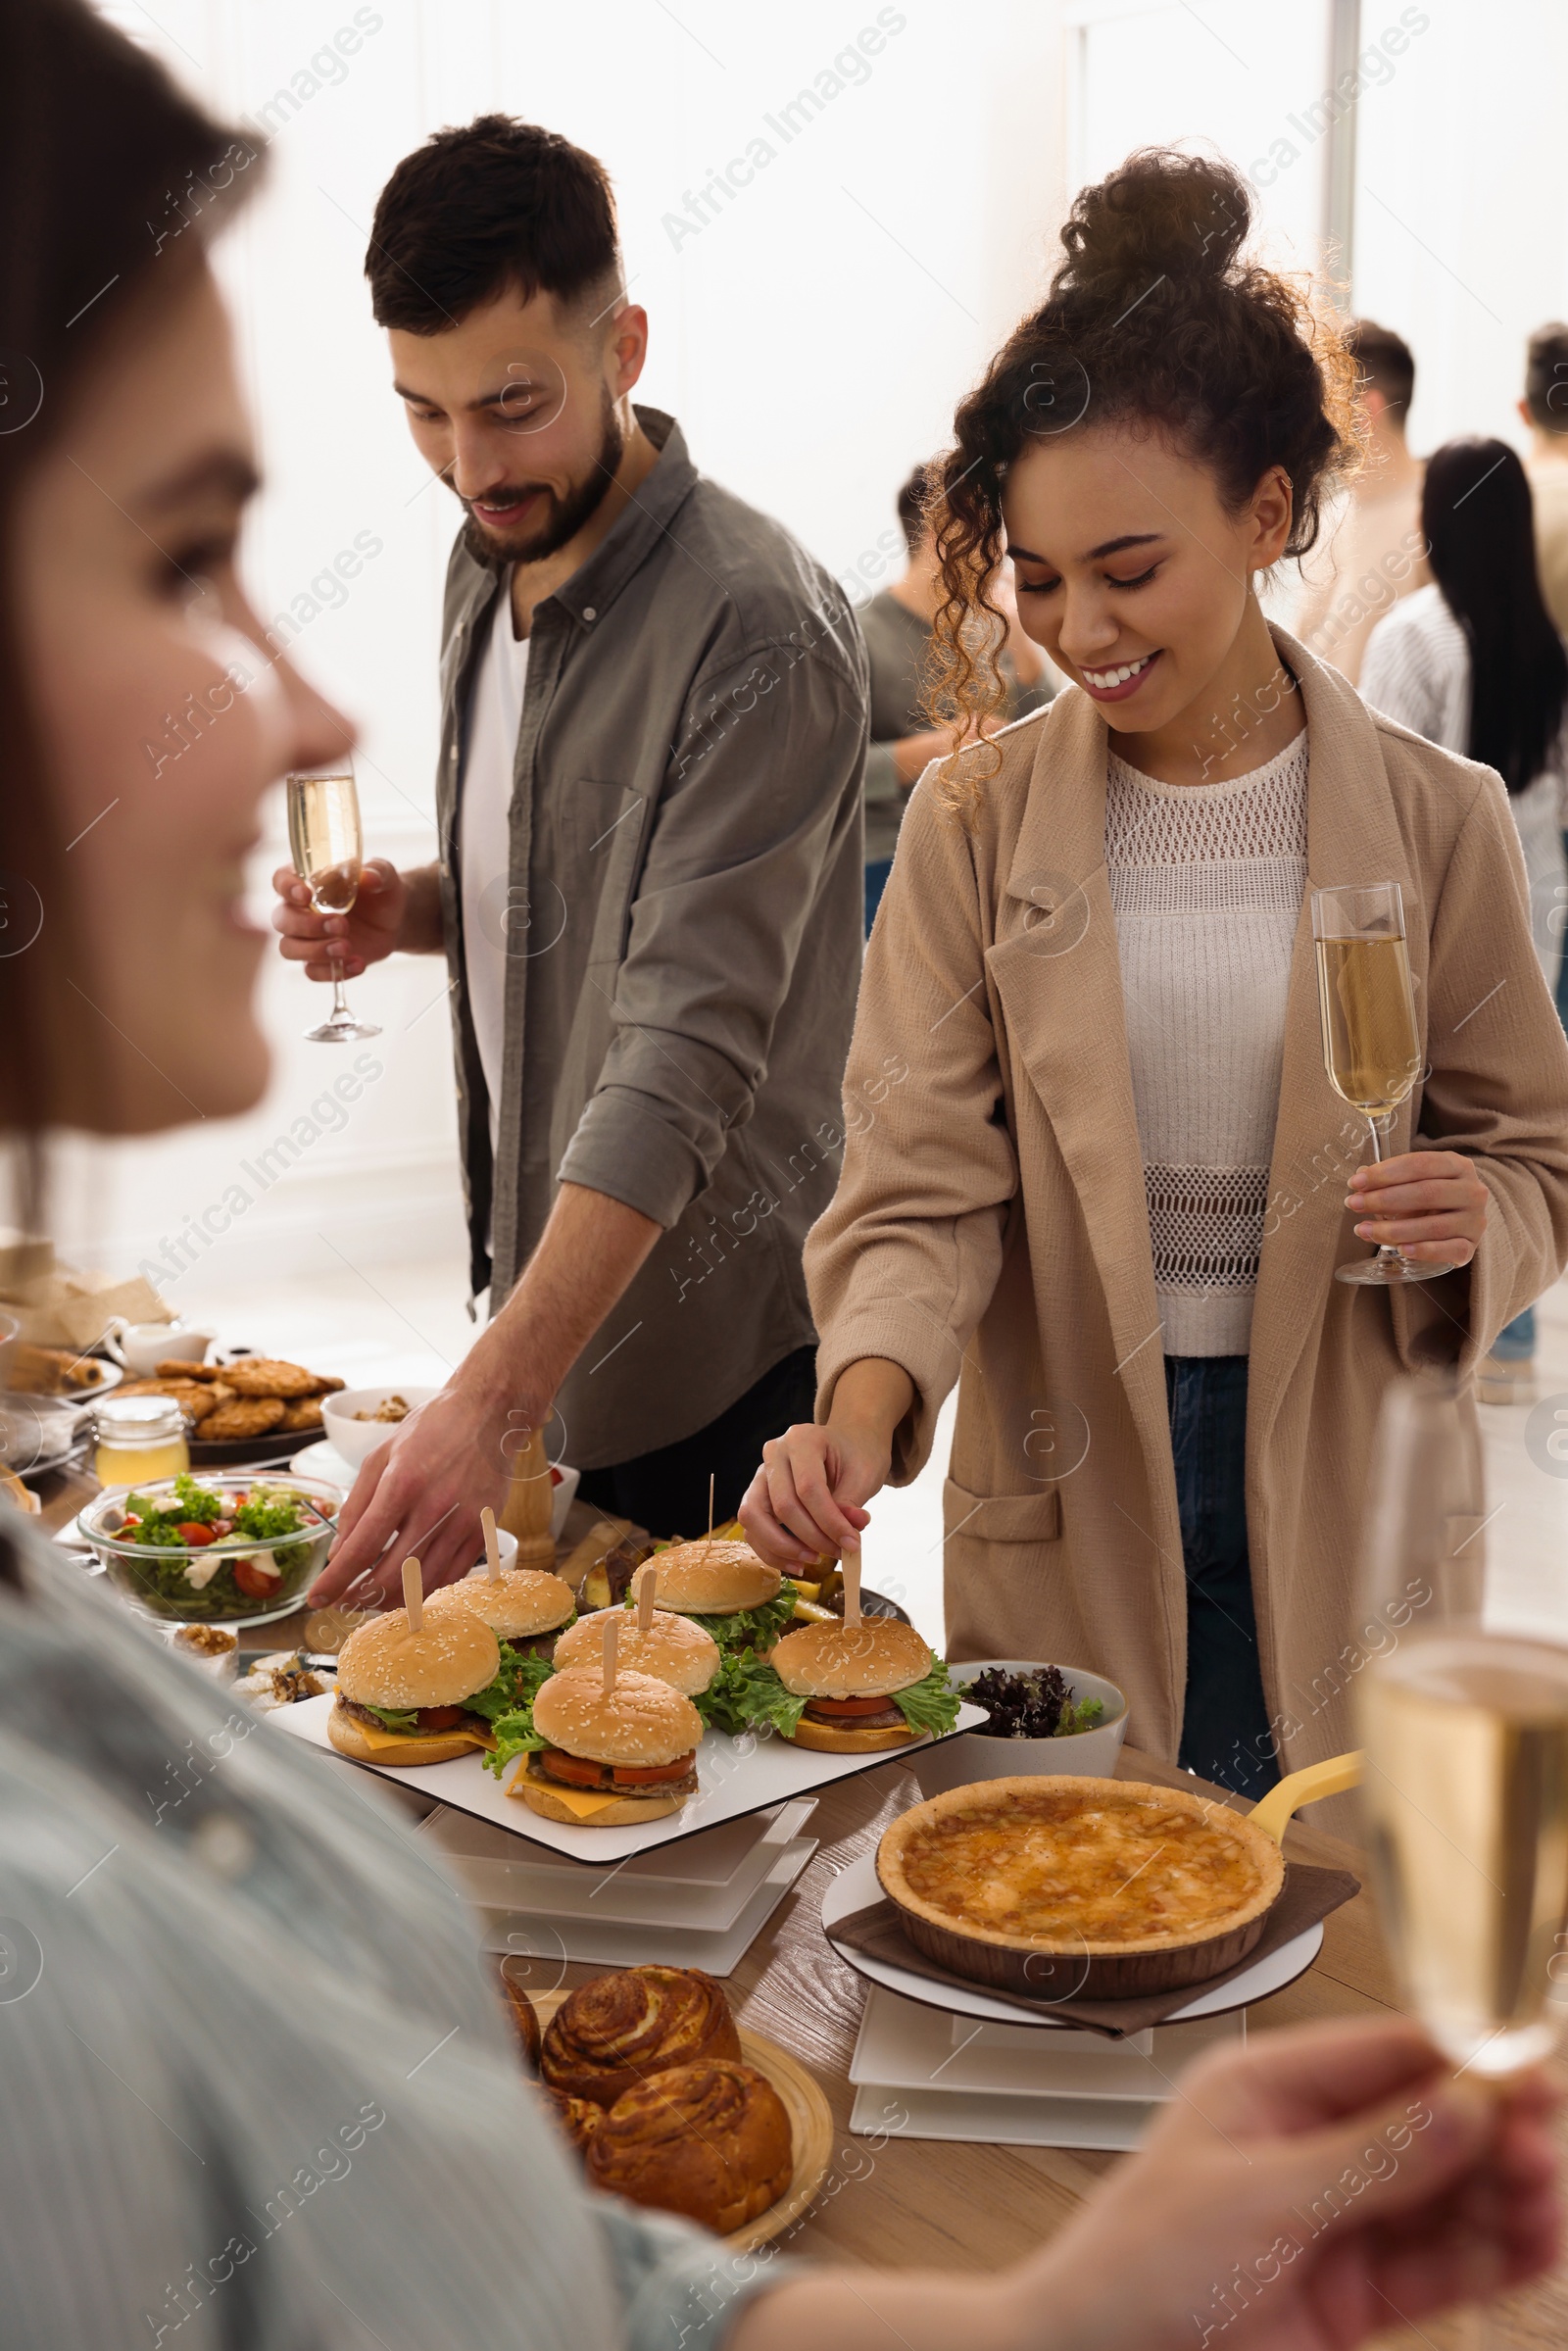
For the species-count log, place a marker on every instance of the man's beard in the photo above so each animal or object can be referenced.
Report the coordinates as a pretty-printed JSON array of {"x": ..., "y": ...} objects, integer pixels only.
[{"x": 564, "y": 515}]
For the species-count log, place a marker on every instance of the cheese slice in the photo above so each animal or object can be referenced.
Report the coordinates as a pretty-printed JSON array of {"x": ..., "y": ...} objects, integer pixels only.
[
  {"x": 582, "y": 1803},
  {"x": 376, "y": 1738}
]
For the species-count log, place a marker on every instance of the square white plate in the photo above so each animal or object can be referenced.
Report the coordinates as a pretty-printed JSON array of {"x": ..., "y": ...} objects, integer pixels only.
[
  {"x": 736, "y": 1776},
  {"x": 903, "y": 2045},
  {"x": 550, "y": 1942},
  {"x": 974, "y": 2120}
]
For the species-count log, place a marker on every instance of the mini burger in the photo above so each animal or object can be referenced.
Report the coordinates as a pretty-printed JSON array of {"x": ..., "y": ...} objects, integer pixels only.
[
  {"x": 401, "y": 1690},
  {"x": 673, "y": 1650},
  {"x": 865, "y": 1685},
  {"x": 634, "y": 1744},
  {"x": 523, "y": 1606},
  {"x": 723, "y": 1587}
]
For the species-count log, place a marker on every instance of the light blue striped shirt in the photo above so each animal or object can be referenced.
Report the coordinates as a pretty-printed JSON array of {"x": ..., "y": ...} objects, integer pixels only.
[{"x": 257, "y": 2090}]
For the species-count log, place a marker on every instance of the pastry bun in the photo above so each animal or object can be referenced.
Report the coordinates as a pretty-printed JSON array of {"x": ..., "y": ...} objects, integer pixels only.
[
  {"x": 615, "y": 2029},
  {"x": 674, "y": 1649},
  {"x": 710, "y": 2140},
  {"x": 628, "y": 1810},
  {"x": 518, "y": 1604},
  {"x": 384, "y": 1662},
  {"x": 642, "y": 1721},
  {"x": 715, "y": 1578},
  {"x": 867, "y": 1660}
]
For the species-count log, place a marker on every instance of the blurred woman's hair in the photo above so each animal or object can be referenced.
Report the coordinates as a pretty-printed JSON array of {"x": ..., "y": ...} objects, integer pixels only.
[
  {"x": 110, "y": 180},
  {"x": 1153, "y": 320},
  {"x": 1478, "y": 517}
]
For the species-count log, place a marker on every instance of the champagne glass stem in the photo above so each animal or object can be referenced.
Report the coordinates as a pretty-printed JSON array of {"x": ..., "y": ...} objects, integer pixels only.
[
  {"x": 1382, "y": 1127},
  {"x": 340, "y": 1002}
]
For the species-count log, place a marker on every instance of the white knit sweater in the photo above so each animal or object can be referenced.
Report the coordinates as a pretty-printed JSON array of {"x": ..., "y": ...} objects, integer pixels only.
[{"x": 1206, "y": 881}]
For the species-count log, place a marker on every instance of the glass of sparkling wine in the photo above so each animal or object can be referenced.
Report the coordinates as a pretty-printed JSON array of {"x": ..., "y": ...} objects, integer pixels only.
[
  {"x": 1371, "y": 1047},
  {"x": 327, "y": 848},
  {"x": 1465, "y": 1729}
]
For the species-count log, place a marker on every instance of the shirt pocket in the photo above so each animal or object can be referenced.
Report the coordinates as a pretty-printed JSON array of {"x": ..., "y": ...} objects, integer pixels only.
[
  {"x": 999, "y": 1521},
  {"x": 606, "y": 823}
]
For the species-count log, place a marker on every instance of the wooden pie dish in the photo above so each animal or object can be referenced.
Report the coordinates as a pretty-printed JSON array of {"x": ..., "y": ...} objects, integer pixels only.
[{"x": 1121, "y": 1925}]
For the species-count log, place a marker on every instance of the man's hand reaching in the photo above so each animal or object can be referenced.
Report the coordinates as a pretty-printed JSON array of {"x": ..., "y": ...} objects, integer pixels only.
[{"x": 422, "y": 1491}]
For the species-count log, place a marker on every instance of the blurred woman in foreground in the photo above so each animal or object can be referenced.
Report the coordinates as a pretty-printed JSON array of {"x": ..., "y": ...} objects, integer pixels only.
[{"x": 256, "y": 2089}]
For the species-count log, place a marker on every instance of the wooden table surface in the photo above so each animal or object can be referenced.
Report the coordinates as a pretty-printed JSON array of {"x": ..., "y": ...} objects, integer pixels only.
[{"x": 899, "y": 2202}]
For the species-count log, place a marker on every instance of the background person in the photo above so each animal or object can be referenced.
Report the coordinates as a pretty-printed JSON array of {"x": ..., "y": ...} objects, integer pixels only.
[
  {"x": 1373, "y": 555},
  {"x": 1476, "y": 662},
  {"x": 653, "y": 723},
  {"x": 258, "y": 2093},
  {"x": 897, "y": 626},
  {"x": 1110, "y": 1198},
  {"x": 1545, "y": 410}
]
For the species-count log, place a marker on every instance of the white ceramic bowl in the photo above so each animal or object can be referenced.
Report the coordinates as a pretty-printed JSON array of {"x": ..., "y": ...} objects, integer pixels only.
[
  {"x": 357, "y": 1440},
  {"x": 1085, "y": 1755}
]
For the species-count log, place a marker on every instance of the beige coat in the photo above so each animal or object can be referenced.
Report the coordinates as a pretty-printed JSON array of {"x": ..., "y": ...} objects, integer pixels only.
[{"x": 989, "y": 1224}]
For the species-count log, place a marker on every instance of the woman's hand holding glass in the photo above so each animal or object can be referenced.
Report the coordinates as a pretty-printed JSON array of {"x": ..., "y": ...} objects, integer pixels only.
[{"x": 1431, "y": 1205}]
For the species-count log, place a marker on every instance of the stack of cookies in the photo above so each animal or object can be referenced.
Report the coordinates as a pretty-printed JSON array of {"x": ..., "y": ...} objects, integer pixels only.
[{"x": 231, "y": 1404}]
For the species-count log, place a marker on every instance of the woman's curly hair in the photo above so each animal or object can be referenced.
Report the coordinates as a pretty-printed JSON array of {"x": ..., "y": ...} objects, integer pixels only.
[{"x": 1151, "y": 319}]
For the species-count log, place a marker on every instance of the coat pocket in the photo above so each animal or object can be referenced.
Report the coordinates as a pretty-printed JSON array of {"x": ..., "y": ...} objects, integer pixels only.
[{"x": 1000, "y": 1518}]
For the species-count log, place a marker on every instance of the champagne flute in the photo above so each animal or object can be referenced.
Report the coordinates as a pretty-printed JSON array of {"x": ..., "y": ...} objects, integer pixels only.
[
  {"x": 1465, "y": 1732},
  {"x": 1371, "y": 1047},
  {"x": 327, "y": 848}
]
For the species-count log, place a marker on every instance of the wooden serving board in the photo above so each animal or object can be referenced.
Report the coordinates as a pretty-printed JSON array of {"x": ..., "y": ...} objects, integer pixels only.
[{"x": 811, "y": 2127}]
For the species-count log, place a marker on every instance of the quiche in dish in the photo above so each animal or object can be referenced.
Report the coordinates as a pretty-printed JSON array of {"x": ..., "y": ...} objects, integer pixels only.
[{"x": 1063, "y": 1886}]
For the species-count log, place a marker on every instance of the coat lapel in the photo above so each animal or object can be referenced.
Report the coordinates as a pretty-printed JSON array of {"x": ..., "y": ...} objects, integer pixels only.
[
  {"x": 1056, "y": 968},
  {"x": 1351, "y": 836}
]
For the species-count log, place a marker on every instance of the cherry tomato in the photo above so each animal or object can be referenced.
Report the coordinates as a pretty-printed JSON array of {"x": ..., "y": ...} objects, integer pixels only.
[
  {"x": 193, "y": 1532},
  {"x": 258, "y": 1583}
]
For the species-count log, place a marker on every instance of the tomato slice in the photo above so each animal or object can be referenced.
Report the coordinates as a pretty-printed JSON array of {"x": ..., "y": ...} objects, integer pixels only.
[
  {"x": 437, "y": 1718},
  {"x": 258, "y": 1583},
  {"x": 572, "y": 1769},
  {"x": 195, "y": 1533},
  {"x": 629, "y": 1774}
]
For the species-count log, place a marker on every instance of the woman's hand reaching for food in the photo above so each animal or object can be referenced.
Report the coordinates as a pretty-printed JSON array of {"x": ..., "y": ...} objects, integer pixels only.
[
  {"x": 805, "y": 1502},
  {"x": 1431, "y": 1204}
]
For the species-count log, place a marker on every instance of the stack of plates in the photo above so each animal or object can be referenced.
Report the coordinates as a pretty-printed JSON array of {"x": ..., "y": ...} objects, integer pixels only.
[
  {"x": 699, "y": 1903},
  {"x": 951, "y": 2061}
]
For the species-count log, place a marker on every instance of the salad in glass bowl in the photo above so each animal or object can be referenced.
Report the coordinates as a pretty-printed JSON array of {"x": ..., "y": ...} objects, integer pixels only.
[{"x": 214, "y": 1550}]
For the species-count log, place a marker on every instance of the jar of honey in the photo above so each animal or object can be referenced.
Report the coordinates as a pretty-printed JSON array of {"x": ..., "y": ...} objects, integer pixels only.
[{"x": 140, "y": 1438}]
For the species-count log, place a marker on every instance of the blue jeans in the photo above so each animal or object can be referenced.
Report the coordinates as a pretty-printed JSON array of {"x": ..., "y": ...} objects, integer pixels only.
[
  {"x": 878, "y": 870},
  {"x": 1225, "y": 1728}
]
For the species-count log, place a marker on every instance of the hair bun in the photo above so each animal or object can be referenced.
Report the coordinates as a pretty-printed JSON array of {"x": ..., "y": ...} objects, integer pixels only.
[{"x": 1161, "y": 214}]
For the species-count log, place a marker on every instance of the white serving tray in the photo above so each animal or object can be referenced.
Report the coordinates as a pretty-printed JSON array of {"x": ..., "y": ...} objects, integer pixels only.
[
  {"x": 859, "y": 1887},
  {"x": 497, "y": 1873},
  {"x": 549, "y": 1943},
  {"x": 973, "y": 2120},
  {"x": 736, "y": 1776},
  {"x": 903, "y": 2045}
]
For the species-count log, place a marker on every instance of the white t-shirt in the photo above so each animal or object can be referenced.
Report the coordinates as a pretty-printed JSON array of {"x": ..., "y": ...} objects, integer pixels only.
[{"x": 495, "y": 713}]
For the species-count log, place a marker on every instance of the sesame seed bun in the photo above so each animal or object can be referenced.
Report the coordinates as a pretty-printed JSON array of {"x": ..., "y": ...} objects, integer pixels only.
[
  {"x": 674, "y": 1649},
  {"x": 642, "y": 1721},
  {"x": 869, "y": 1660},
  {"x": 518, "y": 1604},
  {"x": 712, "y": 1578},
  {"x": 386, "y": 1663}
]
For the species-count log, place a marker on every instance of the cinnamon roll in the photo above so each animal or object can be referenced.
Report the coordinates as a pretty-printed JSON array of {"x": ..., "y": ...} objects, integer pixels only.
[
  {"x": 709, "y": 2140},
  {"x": 578, "y": 2117},
  {"x": 613, "y": 2032}
]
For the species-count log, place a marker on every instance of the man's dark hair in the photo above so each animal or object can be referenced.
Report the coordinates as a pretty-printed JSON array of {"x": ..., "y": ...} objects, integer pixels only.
[
  {"x": 1384, "y": 362},
  {"x": 474, "y": 210},
  {"x": 912, "y": 501},
  {"x": 1546, "y": 377}
]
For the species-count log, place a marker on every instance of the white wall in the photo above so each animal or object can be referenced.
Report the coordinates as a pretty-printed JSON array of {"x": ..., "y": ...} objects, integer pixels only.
[{"x": 812, "y": 337}]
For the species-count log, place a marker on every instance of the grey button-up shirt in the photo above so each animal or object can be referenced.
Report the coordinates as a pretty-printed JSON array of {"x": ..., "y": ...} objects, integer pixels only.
[{"x": 681, "y": 918}]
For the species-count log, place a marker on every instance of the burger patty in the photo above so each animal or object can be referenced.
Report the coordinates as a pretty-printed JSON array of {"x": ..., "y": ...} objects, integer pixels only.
[
  {"x": 854, "y": 1714},
  {"x": 676, "y": 1779},
  {"x": 425, "y": 1718}
]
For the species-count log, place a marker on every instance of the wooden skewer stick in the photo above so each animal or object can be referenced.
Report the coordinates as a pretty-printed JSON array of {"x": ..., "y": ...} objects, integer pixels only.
[
  {"x": 851, "y": 1564},
  {"x": 414, "y": 1593},
  {"x": 647, "y": 1586},
  {"x": 611, "y": 1646},
  {"x": 492, "y": 1549},
  {"x": 710, "y": 1506}
]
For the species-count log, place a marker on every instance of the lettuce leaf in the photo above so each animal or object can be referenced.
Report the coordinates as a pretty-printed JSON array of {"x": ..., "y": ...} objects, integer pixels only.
[
  {"x": 932, "y": 1704},
  {"x": 746, "y": 1695},
  {"x": 390, "y": 1719},
  {"x": 517, "y": 1684},
  {"x": 750, "y": 1627}
]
